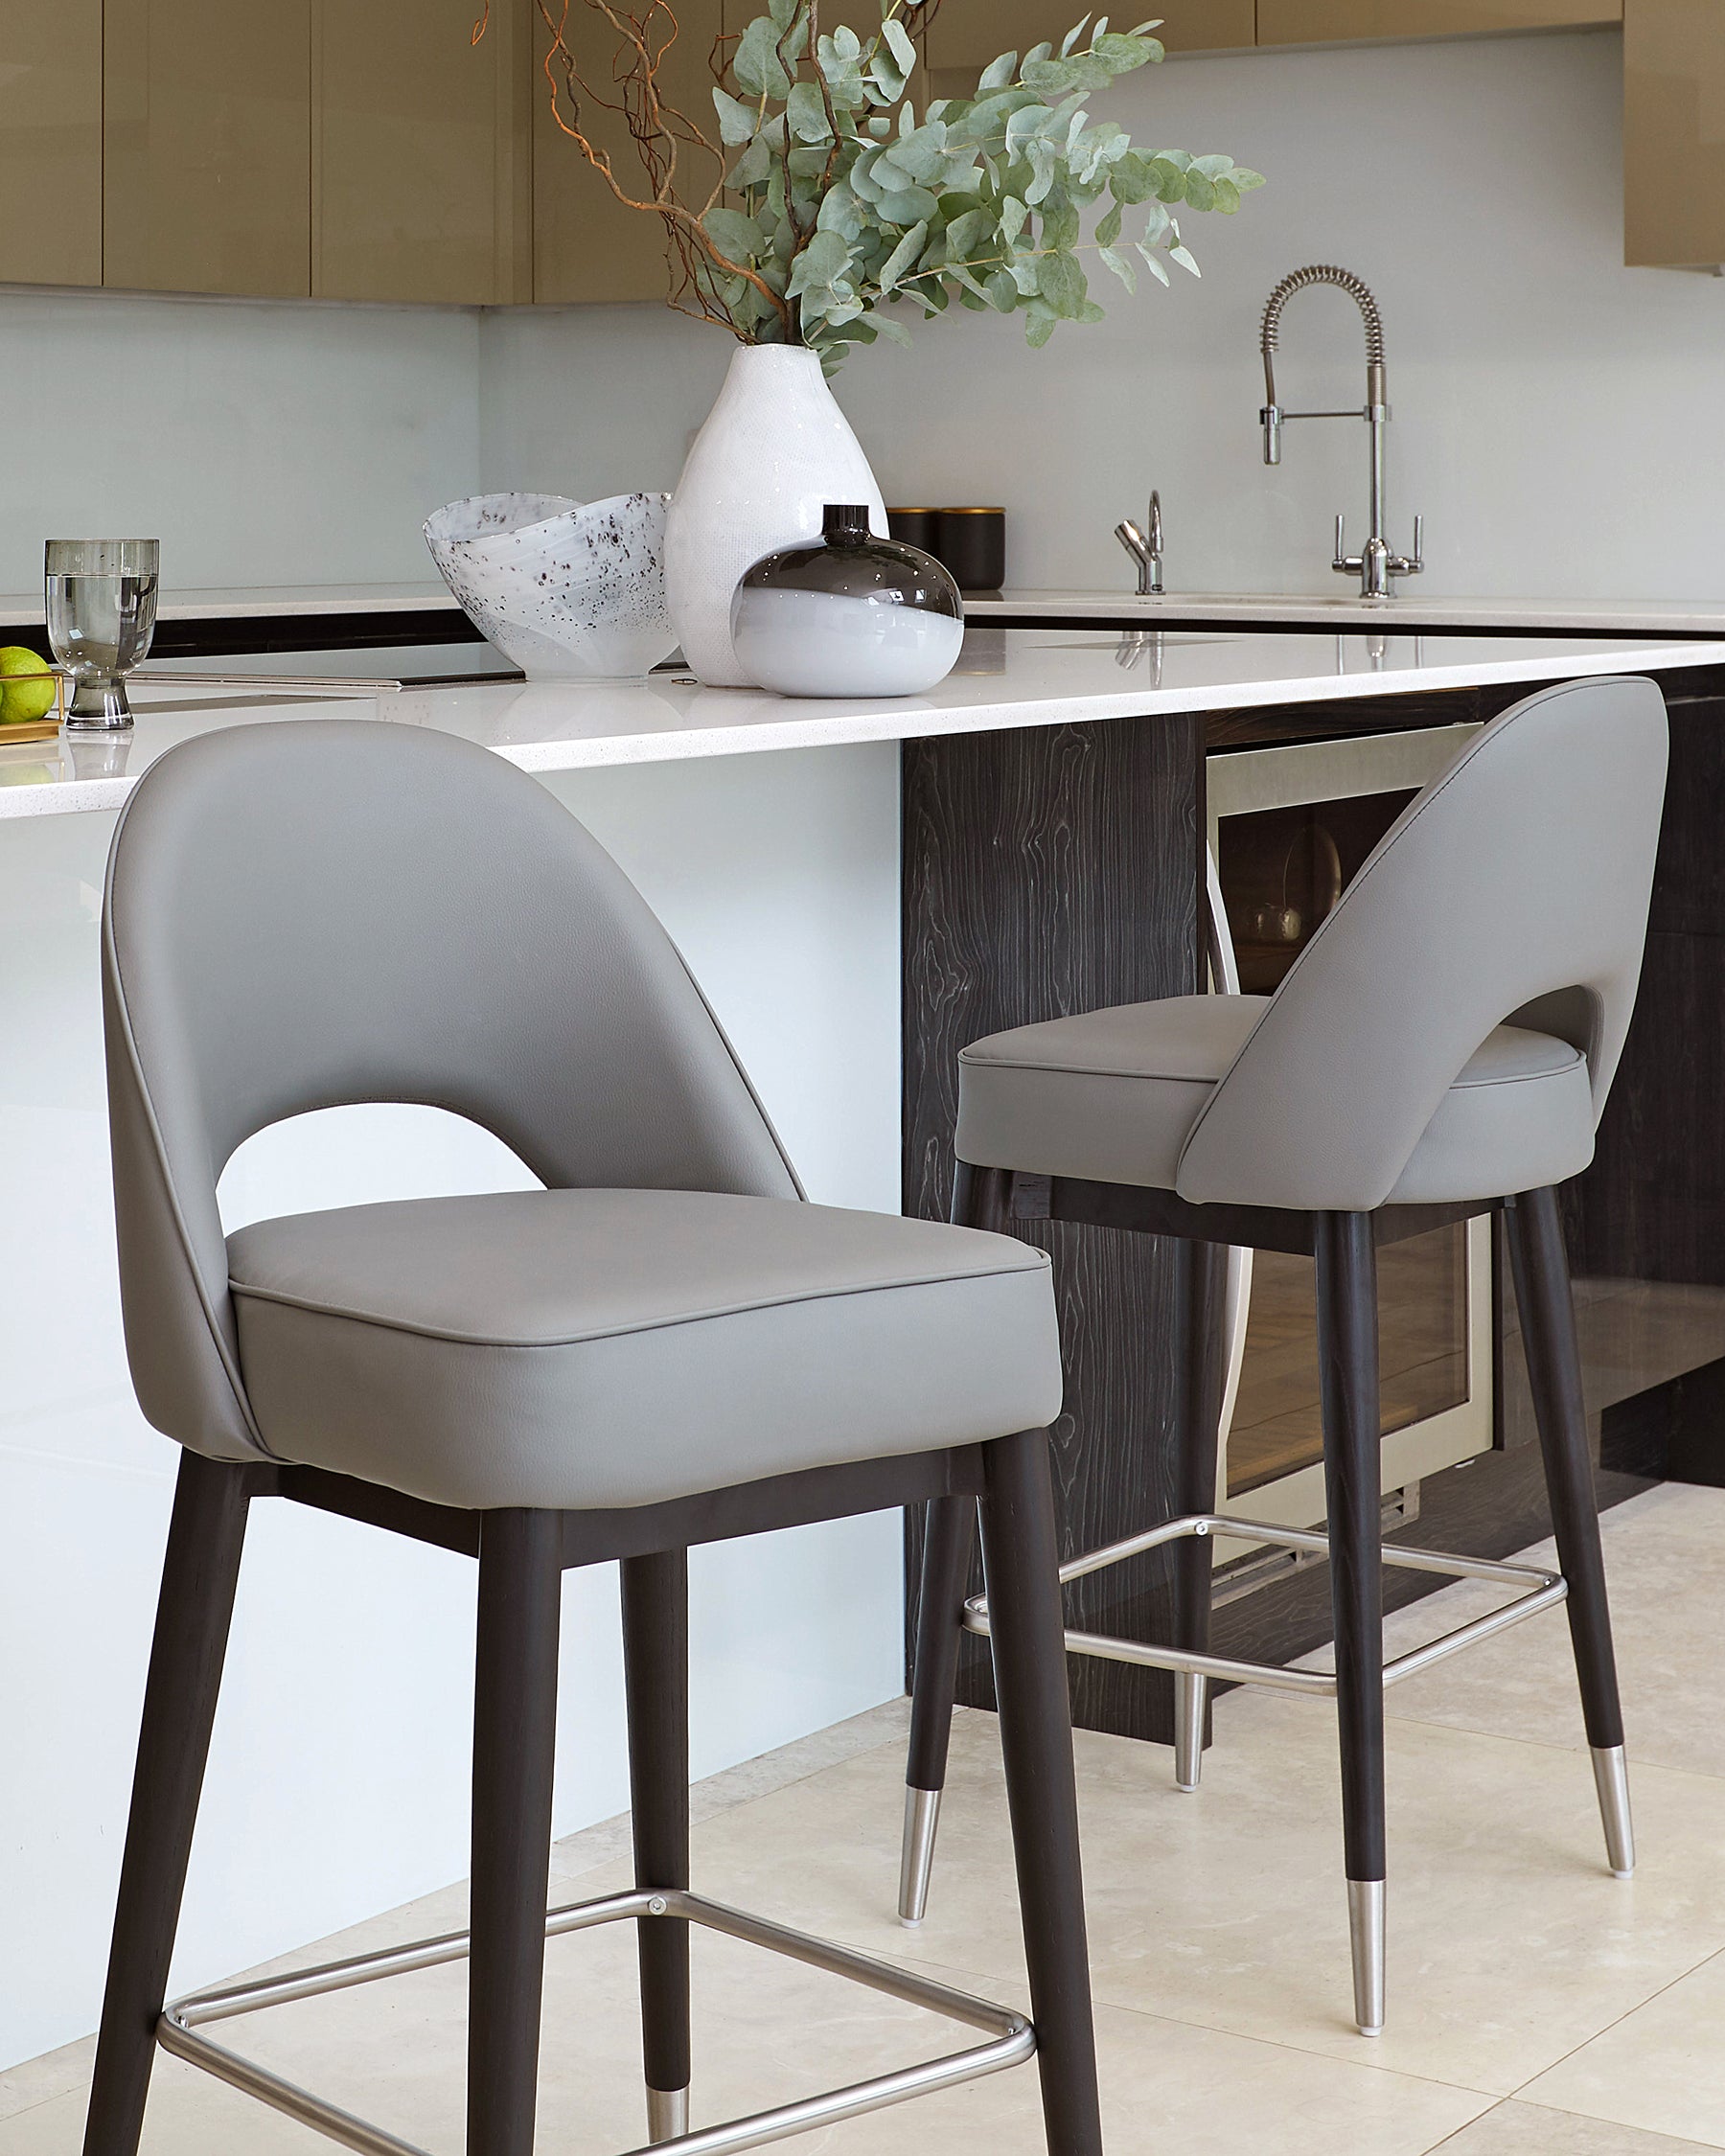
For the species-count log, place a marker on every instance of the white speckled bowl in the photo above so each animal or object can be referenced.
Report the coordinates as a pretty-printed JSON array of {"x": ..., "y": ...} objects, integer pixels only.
[{"x": 565, "y": 591}]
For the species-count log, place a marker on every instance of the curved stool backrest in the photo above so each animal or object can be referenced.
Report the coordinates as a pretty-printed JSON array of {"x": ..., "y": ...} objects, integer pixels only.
[
  {"x": 316, "y": 913},
  {"x": 1514, "y": 890}
]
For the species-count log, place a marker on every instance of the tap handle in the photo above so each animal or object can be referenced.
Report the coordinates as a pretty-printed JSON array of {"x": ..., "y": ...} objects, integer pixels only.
[
  {"x": 1418, "y": 561},
  {"x": 1155, "y": 521},
  {"x": 1341, "y": 560}
]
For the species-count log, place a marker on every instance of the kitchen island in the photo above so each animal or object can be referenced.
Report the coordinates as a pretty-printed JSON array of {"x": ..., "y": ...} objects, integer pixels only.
[{"x": 860, "y": 887}]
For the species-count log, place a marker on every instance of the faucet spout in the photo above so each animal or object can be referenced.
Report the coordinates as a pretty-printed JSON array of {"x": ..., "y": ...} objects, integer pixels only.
[{"x": 1375, "y": 565}]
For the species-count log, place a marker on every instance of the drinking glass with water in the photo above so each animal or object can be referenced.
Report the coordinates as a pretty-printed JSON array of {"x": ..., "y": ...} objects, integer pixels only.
[{"x": 102, "y": 609}]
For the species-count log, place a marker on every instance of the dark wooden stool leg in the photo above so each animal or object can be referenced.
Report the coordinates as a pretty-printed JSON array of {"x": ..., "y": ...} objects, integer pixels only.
[
  {"x": 515, "y": 1745},
  {"x": 1548, "y": 1323},
  {"x": 1022, "y": 1565},
  {"x": 981, "y": 1198},
  {"x": 655, "y": 1656},
  {"x": 947, "y": 1541},
  {"x": 200, "y": 1576},
  {"x": 1348, "y": 1344},
  {"x": 1201, "y": 1289}
]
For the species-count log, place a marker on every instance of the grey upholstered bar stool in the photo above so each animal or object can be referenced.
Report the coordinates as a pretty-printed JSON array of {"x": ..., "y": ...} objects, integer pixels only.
[
  {"x": 665, "y": 1346},
  {"x": 1442, "y": 1048}
]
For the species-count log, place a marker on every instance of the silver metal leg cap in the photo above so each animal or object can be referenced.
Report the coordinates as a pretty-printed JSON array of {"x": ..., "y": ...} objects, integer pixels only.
[
  {"x": 922, "y": 1822},
  {"x": 1189, "y": 1688},
  {"x": 667, "y": 2115},
  {"x": 1611, "y": 1778},
  {"x": 1366, "y": 1930}
]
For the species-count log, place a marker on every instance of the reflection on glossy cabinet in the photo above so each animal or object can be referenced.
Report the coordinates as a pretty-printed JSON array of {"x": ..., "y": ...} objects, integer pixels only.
[
  {"x": 51, "y": 141},
  {"x": 586, "y": 246},
  {"x": 207, "y": 186},
  {"x": 1311, "y": 22},
  {"x": 968, "y": 34},
  {"x": 421, "y": 172},
  {"x": 1674, "y": 133}
]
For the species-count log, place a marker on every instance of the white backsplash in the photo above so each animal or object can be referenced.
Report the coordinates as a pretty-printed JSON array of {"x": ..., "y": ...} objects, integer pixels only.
[{"x": 261, "y": 443}]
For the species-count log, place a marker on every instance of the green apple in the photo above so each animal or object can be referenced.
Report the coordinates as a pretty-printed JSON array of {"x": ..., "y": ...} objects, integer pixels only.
[{"x": 30, "y": 696}]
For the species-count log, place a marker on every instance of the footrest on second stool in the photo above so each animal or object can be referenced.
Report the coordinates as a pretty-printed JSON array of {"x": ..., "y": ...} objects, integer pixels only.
[{"x": 1545, "y": 1589}]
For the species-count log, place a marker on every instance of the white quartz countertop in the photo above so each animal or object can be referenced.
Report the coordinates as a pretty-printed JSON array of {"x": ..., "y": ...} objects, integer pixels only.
[
  {"x": 1411, "y": 609},
  {"x": 1006, "y": 679}
]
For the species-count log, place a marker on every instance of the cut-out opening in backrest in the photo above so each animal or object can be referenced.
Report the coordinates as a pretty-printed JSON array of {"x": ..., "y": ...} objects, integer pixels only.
[{"x": 372, "y": 1154}]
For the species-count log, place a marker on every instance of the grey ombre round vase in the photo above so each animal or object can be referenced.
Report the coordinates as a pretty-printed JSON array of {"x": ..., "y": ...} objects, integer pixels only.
[{"x": 853, "y": 616}]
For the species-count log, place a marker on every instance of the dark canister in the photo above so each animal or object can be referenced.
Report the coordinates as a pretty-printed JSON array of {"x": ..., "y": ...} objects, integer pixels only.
[
  {"x": 917, "y": 527},
  {"x": 855, "y": 615},
  {"x": 972, "y": 543}
]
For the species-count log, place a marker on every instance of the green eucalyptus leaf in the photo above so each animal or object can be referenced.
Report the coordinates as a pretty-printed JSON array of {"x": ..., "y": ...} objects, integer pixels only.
[
  {"x": 1060, "y": 78},
  {"x": 805, "y": 113},
  {"x": 1108, "y": 228},
  {"x": 1061, "y": 281},
  {"x": 756, "y": 65},
  {"x": 736, "y": 235},
  {"x": 1120, "y": 266},
  {"x": 1001, "y": 75},
  {"x": 898, "y": 40},
  {"x": 910, "y": 205},
  {"x": 1122, "y": 55},
  {"x": 1060, "y": 223},
  {"x": 754, "y": 167},
  {"x": 1002, "y": 291},
  {"x": 904, "y": 256},
  {"x": 1182, "y": 257},
  {"x": 1200, "y": 191},
  {"x": 737, "y": 121},
  {"x": 1129, "y": 178},
  {"x": 825, "y": 258},
  {"x": 1039, "y": 326}
]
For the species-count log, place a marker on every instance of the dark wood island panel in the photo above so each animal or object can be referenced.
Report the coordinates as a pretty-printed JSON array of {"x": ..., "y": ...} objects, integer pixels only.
[{"x": 1051, "y": 870}]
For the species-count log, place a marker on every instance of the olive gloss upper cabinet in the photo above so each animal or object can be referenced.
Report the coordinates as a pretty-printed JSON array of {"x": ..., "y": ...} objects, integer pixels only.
[
  {"x": 51, "y": 141},
  {"x": 968, "y": 34},
  {"x": 1313, "y": 22},
  {"x": 207, "y": 180},
  {"x": 1674, "y": 133},
  {"x": 587, "y": 245},
  {"x": 420, "y": 178}
]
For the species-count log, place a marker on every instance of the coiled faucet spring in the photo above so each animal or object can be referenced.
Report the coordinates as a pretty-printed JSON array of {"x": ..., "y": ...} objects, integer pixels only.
[{"x": 1376, "y": 567}]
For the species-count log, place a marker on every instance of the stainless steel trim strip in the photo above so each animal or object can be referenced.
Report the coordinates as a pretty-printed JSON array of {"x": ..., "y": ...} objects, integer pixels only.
[{"x": 1013, "y": 2038}]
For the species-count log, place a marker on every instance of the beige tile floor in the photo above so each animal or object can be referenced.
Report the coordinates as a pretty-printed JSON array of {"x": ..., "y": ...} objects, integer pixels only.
[{"x": 1537, "y": 2007}]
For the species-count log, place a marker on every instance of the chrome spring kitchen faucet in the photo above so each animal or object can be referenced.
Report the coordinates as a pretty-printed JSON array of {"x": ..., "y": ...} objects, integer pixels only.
[{"x": 1376, "y": 567}]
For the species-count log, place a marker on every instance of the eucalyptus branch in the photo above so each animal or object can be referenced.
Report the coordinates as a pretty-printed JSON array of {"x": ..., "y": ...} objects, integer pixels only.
[{"x": 848, "y": 201}]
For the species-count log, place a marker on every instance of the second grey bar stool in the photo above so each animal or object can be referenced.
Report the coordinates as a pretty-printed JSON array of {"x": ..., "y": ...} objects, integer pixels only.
[
  {"x": 1442, "y": 1048},
  {"x": 664, "y": 1346}
]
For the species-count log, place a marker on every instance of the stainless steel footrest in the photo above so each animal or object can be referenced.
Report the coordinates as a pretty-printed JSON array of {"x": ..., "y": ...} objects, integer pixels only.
[
  {"x": 1012, "y": 2039},
  {"x": 1544, "y": 1591}
]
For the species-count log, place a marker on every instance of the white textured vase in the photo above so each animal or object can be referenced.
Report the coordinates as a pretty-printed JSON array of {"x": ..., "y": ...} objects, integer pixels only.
[{"x": 775, "y": 449}]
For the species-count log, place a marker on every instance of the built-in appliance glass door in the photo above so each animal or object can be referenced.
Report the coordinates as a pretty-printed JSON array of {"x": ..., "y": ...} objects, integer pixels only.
[{"x": 1289, "y": 827}]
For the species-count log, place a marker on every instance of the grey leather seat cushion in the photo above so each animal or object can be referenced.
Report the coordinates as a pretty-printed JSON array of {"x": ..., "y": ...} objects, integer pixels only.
[
  {"x": 603, "y": 1348},
  {"x": 1111, "y": 1097}
]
